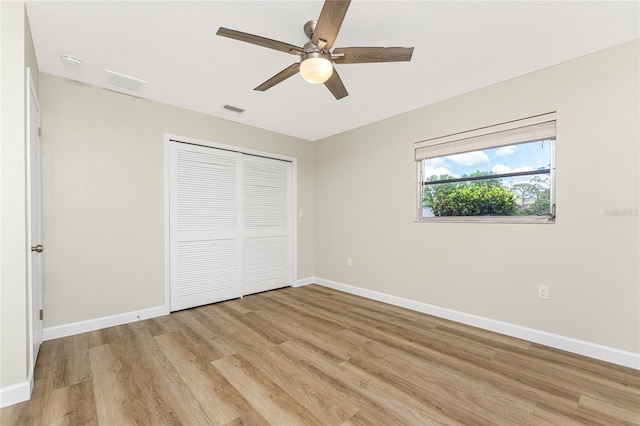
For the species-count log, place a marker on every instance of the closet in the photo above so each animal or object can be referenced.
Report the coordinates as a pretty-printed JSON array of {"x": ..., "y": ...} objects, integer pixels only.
[{"x": 230, "y": 225}]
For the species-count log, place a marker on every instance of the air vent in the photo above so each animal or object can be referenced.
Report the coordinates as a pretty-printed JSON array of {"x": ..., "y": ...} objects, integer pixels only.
[
  {"x": 234, "y": 109},
  {"x": 117, "y": 81}
]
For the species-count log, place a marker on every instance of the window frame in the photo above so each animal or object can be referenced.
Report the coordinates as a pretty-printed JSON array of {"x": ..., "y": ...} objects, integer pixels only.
[{"x": 536, "y": 128}]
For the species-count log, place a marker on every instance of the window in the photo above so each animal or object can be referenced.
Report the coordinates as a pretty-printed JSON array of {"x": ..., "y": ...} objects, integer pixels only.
[{"x": 503, "y": 173}]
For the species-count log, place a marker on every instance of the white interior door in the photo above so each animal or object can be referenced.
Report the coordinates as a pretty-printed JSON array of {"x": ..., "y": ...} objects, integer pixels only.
[
  {"x": 205, "y": 221},
  {"x": 34, "y": 188},
  {"x": 267, "y": 240}
]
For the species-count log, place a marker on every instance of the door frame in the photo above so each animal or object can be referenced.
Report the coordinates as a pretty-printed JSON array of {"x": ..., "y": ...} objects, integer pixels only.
[
  {"x": 168, "y": 139},
  {"x": 34, "y": 293}
]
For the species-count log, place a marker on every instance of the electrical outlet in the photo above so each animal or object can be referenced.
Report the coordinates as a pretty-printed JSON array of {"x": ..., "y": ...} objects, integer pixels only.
[
  {"x": 543, "y": 292},
  {"x": 349, "y": 264}
]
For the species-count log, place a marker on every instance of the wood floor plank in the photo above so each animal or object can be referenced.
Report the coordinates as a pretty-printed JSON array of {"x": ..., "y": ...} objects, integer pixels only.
[
  {"x": 102, "y": 337},
  {"x": 327, "y": 317},
  {"x": 206, "y": 315},
  {"x": 483, "y": 402},
  {"x": 178, "y": 349},
  {"x": 70, "y": 365},
  {"x": 599, "y": 408},
  {"x": 48, "y": 356},
  {"x": 202, "y": 337},
  {"x": 209, "y": 314},
  {"x": 243, "y": 305},
  {"x": 314, "y": 333},
  {"x": 162, "y": 325},
  {"x": 244, "y": 339},
  {"x": 322, "y": 400},
  {"x": 481, "y": 371},
  {"x": 431, "y": 338},
  {"x": 282, "y": 307},
  {"x": 158, "y": 379},
  {"x": 625, "y": 376},
  {"x": 70, "y": 405},
  {"x": 265, "y": 396},
  {"x": 495, "y": 339},
  {"x": 316, "y": 356},
  {"x": 389, "y": 407},
  {"x": 249, "y": 417},
  {"x": 387, "y": 318},
  {"x": 553, "y": 417},
  {"x": 345, "y": 386},
  {"x": 572, "y": 378},
  {"x": 273, "y": 334},
  {"x": 118, "y": 399},
  {"x": 202, "y": 379}
]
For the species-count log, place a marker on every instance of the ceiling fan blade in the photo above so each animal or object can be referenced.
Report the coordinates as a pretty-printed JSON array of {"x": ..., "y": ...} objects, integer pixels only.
[
  {"x": 335, "y": 85},
  {"x": 280, "y": 77},
  {"x": 361, "y": 55},
  {"x": 260, "y": 41},
  {"x": 329, "y": 22}
]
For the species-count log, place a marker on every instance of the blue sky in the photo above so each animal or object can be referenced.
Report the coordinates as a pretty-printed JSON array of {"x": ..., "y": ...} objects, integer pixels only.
[{"x": 506, "y": 159}]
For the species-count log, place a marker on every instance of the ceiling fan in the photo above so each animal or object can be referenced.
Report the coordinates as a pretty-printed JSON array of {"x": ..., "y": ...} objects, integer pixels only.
[{"x": 316, "y": 59}]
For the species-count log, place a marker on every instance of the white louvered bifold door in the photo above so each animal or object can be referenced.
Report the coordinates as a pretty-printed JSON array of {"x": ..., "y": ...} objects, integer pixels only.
[
  {"x": 267, "y": 239},
  {"x": 206, "y": 225}
]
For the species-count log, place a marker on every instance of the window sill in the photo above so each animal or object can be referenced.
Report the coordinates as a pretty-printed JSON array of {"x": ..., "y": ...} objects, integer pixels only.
[{"x": 489, "y": 219}]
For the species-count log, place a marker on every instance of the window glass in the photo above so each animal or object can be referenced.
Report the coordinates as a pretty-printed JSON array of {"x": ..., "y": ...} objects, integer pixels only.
[{"x": 511, "y": 180}]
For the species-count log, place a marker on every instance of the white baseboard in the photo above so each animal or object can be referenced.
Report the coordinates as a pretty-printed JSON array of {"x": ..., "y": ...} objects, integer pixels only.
[
  {"x": 14, "y": 394},
  {"x": 581, "y": 347},
  {"x": 304, "y": 281},
  {"x": 50, "y": 333}
]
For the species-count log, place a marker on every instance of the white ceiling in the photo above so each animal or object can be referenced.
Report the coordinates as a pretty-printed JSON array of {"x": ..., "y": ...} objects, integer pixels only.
[{"x": 459, "y": 47}]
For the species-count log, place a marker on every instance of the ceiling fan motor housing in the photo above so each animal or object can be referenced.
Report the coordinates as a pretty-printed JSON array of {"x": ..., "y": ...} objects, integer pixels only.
[{"x": 316, "y": 54}]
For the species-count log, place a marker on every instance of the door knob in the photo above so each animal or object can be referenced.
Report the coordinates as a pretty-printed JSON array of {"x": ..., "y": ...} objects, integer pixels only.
[{"x": 38, "y": 248}]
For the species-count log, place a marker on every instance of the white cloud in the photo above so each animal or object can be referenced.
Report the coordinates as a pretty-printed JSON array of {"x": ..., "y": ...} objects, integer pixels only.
[
  {"x": 470, "y": 158},
  {"x": 501, "y": 168},
  {"x": 506, "y": 151},
  {"x": 438, "y": 161},
  {"x": 438, "y": 171}
]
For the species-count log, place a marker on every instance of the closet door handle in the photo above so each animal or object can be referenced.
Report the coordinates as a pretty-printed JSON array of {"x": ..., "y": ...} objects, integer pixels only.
[{"x": 38, "y": 248}]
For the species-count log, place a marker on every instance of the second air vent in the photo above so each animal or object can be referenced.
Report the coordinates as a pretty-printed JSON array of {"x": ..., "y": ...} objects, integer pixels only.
[
  {"x": 117, "y": 81},
  {"x": 234, "y": 109}
]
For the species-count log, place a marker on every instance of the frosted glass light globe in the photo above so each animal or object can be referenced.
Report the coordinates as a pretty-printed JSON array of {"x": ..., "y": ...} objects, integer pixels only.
[{"x": 316, "y": 70}]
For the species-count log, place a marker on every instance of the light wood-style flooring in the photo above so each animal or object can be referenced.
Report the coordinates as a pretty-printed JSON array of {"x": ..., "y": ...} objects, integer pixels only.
[{"x": 316, "y": 356}]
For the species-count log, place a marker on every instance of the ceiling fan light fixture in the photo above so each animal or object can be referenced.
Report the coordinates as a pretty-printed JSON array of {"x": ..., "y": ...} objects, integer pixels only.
[
  {"x": 316, "y": 58},
  {"x": 316, "y": 67}
]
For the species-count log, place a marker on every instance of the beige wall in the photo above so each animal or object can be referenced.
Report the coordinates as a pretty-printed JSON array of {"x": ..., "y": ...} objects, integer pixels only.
[
  {"x": 365, "y": 203},
  {"x": 17, "y": 53},
  {"x": 103, "y": 195}
]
